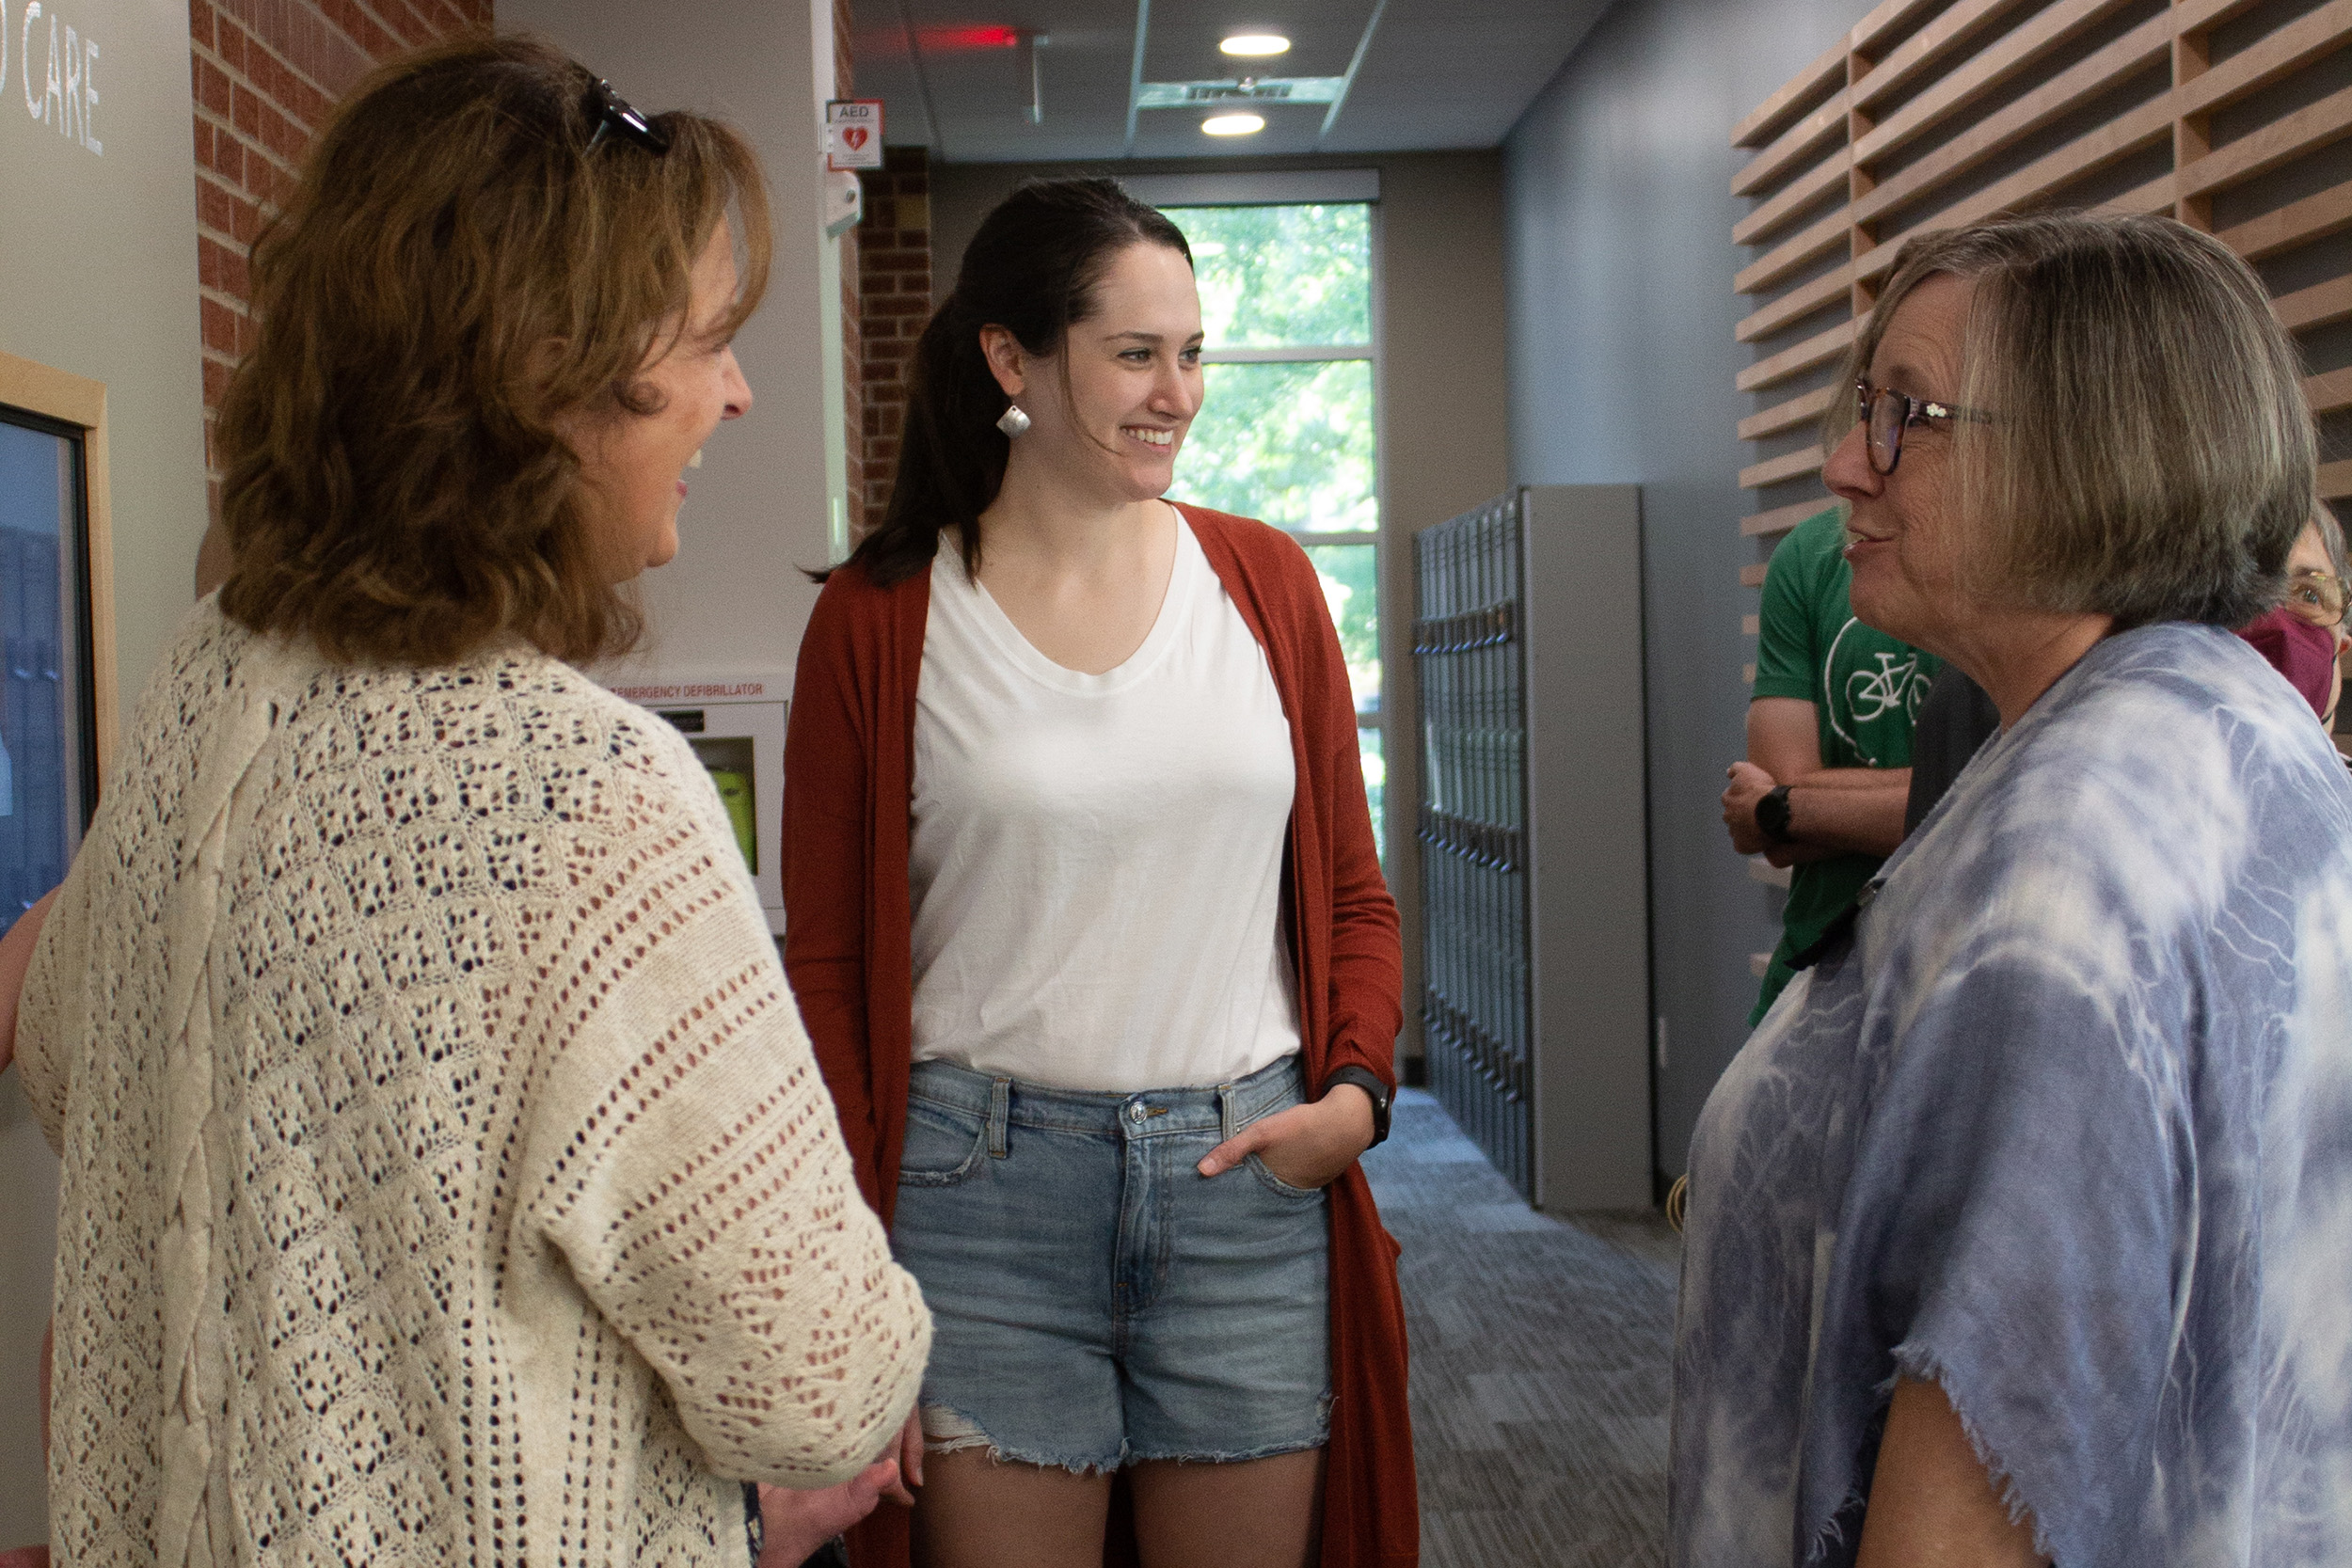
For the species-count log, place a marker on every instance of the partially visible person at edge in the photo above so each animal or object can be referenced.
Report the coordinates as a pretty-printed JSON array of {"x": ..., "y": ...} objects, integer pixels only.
[
  {"x": 2016, "y": 1233},
  {"x": 2303, "y": 638},
  {"x": 2303, "y": 635},
  {"x": 1829, "y": 740},
  {"x": 446, "y": 1173},
  {"x": 1084, "y": 910}
]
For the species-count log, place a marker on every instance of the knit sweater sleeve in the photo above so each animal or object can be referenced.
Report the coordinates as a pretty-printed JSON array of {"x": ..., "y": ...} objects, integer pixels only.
[
  {"x": 686, "y": 1161},
  {"x": 44, "y": 1020}
]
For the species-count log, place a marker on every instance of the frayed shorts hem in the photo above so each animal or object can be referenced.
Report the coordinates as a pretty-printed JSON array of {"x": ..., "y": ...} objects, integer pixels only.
[{"x": 946, "y": 1430}]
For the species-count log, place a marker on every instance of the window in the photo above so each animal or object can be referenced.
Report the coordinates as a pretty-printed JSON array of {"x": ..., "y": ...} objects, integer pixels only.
[
  {"x": 48, "y": 756},
  {"x": 1286, "y": 433}
]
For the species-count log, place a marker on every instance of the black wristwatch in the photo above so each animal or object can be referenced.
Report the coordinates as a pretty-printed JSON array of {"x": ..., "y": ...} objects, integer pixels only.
[
  {"x": 1368, "y": 1080},
  {"x": 1772, "y": 813}
]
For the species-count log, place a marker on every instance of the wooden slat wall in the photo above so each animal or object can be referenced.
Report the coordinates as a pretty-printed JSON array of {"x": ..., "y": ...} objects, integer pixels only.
[{"x": 1933, "y": 113}]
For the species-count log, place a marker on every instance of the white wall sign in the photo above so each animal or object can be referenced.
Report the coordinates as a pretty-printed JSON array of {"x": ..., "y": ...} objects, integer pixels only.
[
  {"x": 853, "y": 133},
  {"x": 60, "y": 81}
]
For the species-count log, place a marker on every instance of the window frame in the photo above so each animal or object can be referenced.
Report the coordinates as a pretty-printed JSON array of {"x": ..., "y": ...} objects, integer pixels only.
[
  {"x": 78, "y": 405},
  {"x": 1346, "y": 188}
]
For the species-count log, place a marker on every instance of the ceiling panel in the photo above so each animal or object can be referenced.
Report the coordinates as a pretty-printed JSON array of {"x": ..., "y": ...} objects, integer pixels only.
[{"x": 1437, "y": 73}]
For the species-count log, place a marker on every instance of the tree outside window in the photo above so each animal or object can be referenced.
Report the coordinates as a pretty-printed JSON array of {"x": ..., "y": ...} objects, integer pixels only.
[{"x": 1286, "y": 433}]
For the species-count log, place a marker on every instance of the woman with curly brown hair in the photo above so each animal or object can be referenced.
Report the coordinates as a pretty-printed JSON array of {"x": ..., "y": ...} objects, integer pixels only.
[{"x": 446, "y": 1175}]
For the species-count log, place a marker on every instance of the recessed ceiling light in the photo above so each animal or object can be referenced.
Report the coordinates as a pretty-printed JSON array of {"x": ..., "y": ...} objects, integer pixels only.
[
  {"x": 1256, "y": 46},
  {"x": 1233, "y": 125}
]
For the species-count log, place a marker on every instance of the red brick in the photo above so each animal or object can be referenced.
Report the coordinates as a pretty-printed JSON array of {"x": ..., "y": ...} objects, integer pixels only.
[
  {"x": 230, "y": 47},
  {"x": 220, "y": 327},
  {"x": 211, "y": 88},
  {"x": 212, "y": 206},
  {"x": 200, "y": 24},
  {"x": 281, "y": 135}
]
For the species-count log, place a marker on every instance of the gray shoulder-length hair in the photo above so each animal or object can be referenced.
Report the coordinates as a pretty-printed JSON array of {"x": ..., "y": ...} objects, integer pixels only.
[{"x": 2150, "y": 455}]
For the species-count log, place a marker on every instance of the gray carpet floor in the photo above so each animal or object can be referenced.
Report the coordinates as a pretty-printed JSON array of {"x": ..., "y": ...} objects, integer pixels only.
[{"x": 1540, "y": 1351}]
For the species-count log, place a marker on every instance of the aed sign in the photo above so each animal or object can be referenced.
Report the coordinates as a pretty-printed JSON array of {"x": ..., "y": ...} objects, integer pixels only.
[
  {"x": 55, "y": 67},
  {"x": 853, "y": 133}
]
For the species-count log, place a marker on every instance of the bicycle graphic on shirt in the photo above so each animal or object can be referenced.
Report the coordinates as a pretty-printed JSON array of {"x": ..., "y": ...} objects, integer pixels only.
[{"x": 1890, "y": 685}]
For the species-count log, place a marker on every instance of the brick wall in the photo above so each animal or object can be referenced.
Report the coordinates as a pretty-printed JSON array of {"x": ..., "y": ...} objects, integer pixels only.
[
  {"x": 266, "y": 72},
  {"x": 895, "y": 285},
  {"x": 852, "y": 416}
]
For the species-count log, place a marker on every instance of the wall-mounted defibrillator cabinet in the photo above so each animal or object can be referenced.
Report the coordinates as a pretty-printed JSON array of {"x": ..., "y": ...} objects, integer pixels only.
[{"x": 734, "y": 722}]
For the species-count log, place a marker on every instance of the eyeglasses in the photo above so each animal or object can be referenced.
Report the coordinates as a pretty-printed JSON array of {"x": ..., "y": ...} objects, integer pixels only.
[
  {"x": 1885, "y": 414},
  {"x": 613, "y": 116},
  {"x": 2318, "y": 597}
]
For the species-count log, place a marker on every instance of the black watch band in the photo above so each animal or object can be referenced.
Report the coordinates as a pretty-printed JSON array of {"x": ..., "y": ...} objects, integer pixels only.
[
  {"x": 1368, "y": 1080},
  {"x": 1772, "y": 813}
]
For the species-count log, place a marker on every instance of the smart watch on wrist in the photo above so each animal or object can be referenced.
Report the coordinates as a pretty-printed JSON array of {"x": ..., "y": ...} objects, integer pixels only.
[
  {"x": 1368, "y": 1080},
  {"x": 1772, "y": 814}
]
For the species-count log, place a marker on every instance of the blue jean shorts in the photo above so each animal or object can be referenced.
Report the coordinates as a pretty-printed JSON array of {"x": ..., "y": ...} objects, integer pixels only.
[{"x": 1095, "y": 1300}]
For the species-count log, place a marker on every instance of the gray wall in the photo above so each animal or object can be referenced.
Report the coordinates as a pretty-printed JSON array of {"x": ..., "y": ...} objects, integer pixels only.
[
  {"x": 98, "y": 278},
  {"x": 1620, "y": 263},
  {"x": 761, "y": 504},
  {"x": 1443, "y": 417}
]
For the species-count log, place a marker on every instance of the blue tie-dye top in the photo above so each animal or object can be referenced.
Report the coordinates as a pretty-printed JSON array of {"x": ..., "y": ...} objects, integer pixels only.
[{"x": 2065, "y": 1124}]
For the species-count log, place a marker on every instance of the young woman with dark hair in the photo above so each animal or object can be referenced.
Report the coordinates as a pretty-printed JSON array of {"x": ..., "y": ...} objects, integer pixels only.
[{"x": 1087, "y": 922}]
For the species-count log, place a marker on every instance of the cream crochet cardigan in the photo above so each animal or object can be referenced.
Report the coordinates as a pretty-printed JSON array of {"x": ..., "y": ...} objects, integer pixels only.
[{"x": 447, "y": 1177}]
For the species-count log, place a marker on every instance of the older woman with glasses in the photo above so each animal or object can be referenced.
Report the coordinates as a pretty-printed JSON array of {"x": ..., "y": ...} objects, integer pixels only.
[{"x": 2018, "y": 1231}]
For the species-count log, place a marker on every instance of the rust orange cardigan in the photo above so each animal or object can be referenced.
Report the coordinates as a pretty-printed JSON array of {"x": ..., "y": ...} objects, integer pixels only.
[{"x": 848, "y": 785}]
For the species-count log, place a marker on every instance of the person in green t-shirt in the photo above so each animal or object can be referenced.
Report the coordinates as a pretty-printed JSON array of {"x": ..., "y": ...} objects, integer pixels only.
[{"x": 1829, "y": 740}]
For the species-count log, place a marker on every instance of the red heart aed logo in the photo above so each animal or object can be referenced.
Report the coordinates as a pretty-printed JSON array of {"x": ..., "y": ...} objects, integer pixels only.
[{"x": 855, "y": 136}]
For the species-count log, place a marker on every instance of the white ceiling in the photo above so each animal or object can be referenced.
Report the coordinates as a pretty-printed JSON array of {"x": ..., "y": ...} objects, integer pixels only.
[{"x": 1428, "y": 75}]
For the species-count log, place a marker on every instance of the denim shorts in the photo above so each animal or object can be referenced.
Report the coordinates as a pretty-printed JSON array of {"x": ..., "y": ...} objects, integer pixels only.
[{"x": 1095, "y": 1300}]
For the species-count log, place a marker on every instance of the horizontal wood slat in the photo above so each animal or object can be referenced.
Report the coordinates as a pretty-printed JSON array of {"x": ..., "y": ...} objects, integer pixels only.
[
  {"x": 2317, "y": 305},
  {"x": 1796, "y": 305},
  {"x": 1787, "y": 415},
  {"x": 2159, "y": 195},
  {"x": 2327, "y": 394},
  {"x": 1821, "y": 138},
  {"x": 2258, "y": 152},
  {"x": 1773, "y": 471},
  {"x": 2137, "y": 51},
  {"x": 1885, "y": 18},
  {"x": 2296, "y": 223},
  {"x": 1806, "y": 137},
  {"x": 1930, "y": 43},
  {"x": 2084, "y": 156},
  {"x": 2258, "y": 65},
  {"x": 1794, "y": 255},
  {"x": 2198, "y": 16},
  {"x": 1793, "y": 361},
  {"x": 1780, "y": 519},
  {"x": 1822, "y": 74},
  {"x": 1825, "y": 177},
  {"x": 2042, "y": 32}
]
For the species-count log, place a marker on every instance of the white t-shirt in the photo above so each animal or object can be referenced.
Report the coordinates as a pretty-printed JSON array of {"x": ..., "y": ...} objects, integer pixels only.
[{"x": 1097, "y": 860}]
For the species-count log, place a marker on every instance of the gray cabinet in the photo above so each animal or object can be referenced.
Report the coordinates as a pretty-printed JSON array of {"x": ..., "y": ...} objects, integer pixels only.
[{"x": 1533, "y": 839}]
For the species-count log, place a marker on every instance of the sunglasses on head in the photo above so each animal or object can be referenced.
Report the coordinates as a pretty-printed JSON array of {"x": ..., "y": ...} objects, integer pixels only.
[{"x": 613, "y": 116}]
